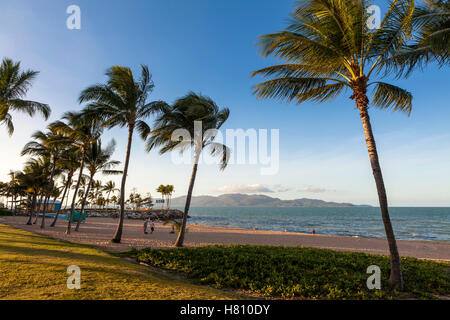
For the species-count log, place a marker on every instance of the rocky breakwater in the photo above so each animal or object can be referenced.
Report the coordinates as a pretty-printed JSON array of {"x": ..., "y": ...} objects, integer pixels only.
[{"x": 154, "y": 214}]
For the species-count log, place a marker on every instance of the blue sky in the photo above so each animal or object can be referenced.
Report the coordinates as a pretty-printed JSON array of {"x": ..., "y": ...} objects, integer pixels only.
[{"x": 210, "y": 47}]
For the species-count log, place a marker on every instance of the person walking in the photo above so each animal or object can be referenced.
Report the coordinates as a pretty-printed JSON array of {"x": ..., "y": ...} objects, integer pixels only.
[
  {"x": 152, "y": 227},
  {"x": 145, "y": 226}
]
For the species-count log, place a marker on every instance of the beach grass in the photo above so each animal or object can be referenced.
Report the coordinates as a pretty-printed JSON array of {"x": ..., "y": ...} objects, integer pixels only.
[
  {"x": 35, "y": 267},
  {"x": 297, "y": 272}
]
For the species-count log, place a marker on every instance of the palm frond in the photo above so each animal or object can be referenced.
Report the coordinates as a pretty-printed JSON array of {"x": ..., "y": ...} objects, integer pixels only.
[{"x": 387, "y": 96}]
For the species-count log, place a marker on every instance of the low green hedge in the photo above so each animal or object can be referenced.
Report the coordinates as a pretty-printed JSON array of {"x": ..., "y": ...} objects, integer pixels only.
[
  {"x": 5, "y": 212},
  {"x": 299, "y": 272}
]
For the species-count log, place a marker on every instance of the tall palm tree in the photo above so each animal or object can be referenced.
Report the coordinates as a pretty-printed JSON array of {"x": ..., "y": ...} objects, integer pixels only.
[
  {"x": 98, "y": 159},
  {"x": 122, "y": 102},
  {"x": 201, "y": 117},
  {"x": 83, "y": 130},
  {"x": 109, "y": 188},
  {"x": 328, "y": 49},
  {"x": 14, "y": 85}
]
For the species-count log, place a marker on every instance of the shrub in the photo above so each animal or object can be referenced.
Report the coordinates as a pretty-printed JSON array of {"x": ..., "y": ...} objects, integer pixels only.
[
  {"x": 297, "y": 272},
  {"x": 5, "y": 212}
]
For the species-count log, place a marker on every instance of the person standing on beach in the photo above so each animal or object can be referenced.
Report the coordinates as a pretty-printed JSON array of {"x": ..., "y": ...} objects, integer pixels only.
[
  {"x": 152, "y": 227},
  {"x": 145, "y": 226}
]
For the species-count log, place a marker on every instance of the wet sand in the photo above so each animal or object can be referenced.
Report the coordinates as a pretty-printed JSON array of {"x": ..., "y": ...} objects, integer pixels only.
[{"x": 99, "y": 231}]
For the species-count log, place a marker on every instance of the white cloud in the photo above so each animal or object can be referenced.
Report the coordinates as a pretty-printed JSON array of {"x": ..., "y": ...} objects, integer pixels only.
[
  {"x": 312, "y": 189},
  {"x": 250, "y": 188}
]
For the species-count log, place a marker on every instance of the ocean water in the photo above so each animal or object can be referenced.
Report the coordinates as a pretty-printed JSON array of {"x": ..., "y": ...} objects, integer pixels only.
[{"x": 426, "y": 224}]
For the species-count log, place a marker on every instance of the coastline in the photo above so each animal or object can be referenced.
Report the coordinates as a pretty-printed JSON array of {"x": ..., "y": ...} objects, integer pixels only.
[{"x": 98, "y": 232}]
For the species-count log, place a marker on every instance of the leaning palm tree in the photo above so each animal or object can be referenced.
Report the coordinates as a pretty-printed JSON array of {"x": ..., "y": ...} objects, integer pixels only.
[
  {"x": 82, "y": 130},
  {"x": 109, "y": 188},
  {"x": 14, "y": 85},
  {"x": 122, "y": 102},
  {"x": 328, "y": 48},
  {"x": 201, "y": 118},
  {"x": 98, "y": 159}
]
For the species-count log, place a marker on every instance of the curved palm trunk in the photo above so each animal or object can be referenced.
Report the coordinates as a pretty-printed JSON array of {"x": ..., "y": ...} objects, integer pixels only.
[
  {"x": 118, "y": 234},
  {"x": 39, "y": 208},
  {"x": 80, "y": 175},
  {"x": 396, "y": 278},
  {"x": 180, "y": 239},
  {"x": 52, "y": 175},
  {"x": 33, "y": 205},
  {"x": 69, "y": 182},
  {"x": 83, "y": 204}
]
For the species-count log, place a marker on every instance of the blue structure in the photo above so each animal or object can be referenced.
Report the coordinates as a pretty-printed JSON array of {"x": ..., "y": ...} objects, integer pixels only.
[
  {"x": 75, "y": 216},
  {"x": 52, "y": 205}
]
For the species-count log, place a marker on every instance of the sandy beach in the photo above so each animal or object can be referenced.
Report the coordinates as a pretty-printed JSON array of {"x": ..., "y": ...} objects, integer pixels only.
[{"x": 99, "y": 231}]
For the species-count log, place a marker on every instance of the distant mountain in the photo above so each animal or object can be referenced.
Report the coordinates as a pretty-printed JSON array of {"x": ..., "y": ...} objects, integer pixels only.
[{"x": 246, "y": 200}]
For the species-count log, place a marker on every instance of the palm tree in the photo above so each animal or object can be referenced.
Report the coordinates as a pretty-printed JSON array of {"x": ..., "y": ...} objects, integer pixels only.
[
  {"x": 12, "y": 187},
  {"x": 83, "y": 131},
  {"x": 201, "y": 117},
  {"x": 69, "y": 163},
  {"x": 47, "y": 144},
  {"x": 433, "y": 24},
  {"x": 114, "y": 200},
  {"x": 109, "y": 188},
  {"x": 14, "y": 85},
  {"x": 35, "y": 176},
  {"x": 169, "y": 191},
  {"x": 162, "y": 189},
  {"x": 328, "y": 48},
  {"x": 98, "y": 159},
  {"x": 122, "y": 102},
  {"x": 97, "y": 188},
  {"x": 430, "y": 40},
  {"x": 32, "y": 177}
]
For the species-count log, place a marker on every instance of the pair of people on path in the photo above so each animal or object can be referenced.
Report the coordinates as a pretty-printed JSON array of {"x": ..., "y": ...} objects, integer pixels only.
[{"x": 152, "y": 226}]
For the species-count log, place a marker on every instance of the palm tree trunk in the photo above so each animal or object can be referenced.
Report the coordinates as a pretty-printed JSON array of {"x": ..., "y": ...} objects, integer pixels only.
[
  {"x": 33, "y": 205},
  {"x": 180, "y": 239},
  {"x": 44, "y": 211},
  {"x": 118, "y": 234},
  {"x": 69, "y": 182},
  {"x": 15, "y": 205},
  {"x": 38, "y": 209},
  {"x": 396, "y": 278},
  {"x": 83, "y": 204},
  {"x": 52, "y": 175},
  {"x": 80, "y": 176}
]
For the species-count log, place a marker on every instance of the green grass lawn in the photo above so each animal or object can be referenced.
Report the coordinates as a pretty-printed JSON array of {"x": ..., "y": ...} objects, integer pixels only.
[
  {"x": 299, "y": 272},
  {"x": 34, "y": 267}
]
